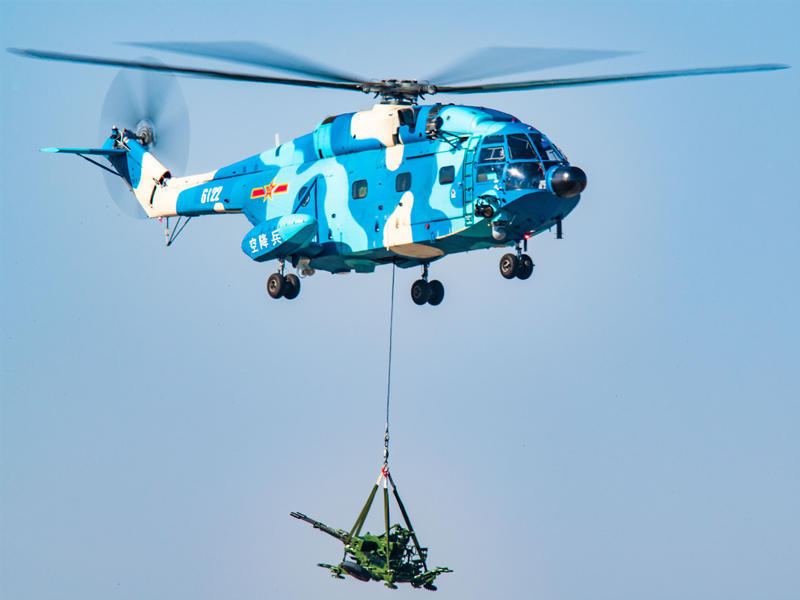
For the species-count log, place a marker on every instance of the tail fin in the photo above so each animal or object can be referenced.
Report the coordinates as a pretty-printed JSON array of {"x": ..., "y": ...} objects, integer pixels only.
[{"x": 141, "y": 170}]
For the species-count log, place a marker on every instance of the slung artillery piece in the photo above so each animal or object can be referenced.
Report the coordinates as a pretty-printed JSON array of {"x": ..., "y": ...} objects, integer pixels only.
[{"x": 392, "y": 557}]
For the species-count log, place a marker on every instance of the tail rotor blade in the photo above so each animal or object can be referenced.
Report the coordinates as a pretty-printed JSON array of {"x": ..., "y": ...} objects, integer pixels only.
[
  {"x": 120, "y": 109},
  {"x": 155, "y": 92},
  {"x": 122, "y": 196},
  {"x": 120, "y": 104},
  {"x": 164, "y": 106},
  {"x": 154, "y": 97}
]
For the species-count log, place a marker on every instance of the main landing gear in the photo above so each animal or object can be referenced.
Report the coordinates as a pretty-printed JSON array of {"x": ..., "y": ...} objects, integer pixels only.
[
  {"x": 517, "y": 265},
  {"x": 283, "y": 286},
  {"x": 424, "y": 291}
]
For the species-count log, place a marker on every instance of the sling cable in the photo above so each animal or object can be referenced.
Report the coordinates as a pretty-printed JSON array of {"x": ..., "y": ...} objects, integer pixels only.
[{"x": 396, "y": 555}]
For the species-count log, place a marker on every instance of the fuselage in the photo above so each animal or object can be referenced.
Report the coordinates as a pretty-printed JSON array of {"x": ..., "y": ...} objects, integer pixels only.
[{"x": 393, "y": 184}]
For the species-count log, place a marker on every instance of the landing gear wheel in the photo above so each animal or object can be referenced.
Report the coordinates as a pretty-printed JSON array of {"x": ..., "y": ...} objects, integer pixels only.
[
  {"x": 508, "y": 266},
  {"x": 524, "y": 267},
  {"x": 420, "y": 292},
  {"x": 291, "y": 286},
  {"x": 437, "y": 292},
  {"x": 275, "y": 285}
]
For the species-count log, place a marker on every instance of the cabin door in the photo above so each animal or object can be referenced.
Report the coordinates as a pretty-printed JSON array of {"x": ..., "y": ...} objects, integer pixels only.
[{"x": 307, "y": 203}]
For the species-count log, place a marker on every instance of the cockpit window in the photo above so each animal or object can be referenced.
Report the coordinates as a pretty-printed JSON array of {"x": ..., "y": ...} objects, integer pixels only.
[
  {"x": 523, "y": 175},
  {"x": 520, "y": 147},
  {"x": 545, "y": 148},
  {"x": 518, "y": 164},
  {"x": 492, "y": 154}
]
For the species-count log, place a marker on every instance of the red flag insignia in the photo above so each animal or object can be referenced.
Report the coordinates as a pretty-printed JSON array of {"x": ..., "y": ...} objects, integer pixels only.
[{"x": 268, "y": 190}]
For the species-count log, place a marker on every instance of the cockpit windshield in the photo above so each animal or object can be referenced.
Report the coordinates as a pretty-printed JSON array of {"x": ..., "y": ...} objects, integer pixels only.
[
  {"x": 523, "y": 175},
  {"x": 547, "y": 150},
  {"x": 520, "y": 147},
  {"x": 519, "y": 163},
  {"x": 489, "y": 173}
]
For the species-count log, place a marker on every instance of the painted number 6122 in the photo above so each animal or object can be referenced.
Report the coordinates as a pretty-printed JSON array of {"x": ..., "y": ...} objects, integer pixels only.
[{"x": 210, "y": 195}]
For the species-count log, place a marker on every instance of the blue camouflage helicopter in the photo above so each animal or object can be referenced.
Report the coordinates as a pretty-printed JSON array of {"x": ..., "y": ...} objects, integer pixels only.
[{"x": 401, "y": 183}]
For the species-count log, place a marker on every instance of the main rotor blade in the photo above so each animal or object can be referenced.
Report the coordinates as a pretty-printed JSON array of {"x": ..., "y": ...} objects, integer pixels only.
[
  {"x": 251, "y": 53},
  {"x": 206, "y": 73},
  {"x": 551, "y": 83},
  {"x": 499, "y": 60}
]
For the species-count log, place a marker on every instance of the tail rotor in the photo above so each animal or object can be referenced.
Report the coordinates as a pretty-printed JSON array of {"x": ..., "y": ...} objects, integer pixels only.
[{"x": 151, "y": 104}]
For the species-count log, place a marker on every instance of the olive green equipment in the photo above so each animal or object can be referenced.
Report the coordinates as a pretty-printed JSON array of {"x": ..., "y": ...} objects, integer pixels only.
[{"x": 393, "y": 557}]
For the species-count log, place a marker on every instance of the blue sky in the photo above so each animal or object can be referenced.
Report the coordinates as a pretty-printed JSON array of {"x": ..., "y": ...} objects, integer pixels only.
[{"x": 622, "y": 425}]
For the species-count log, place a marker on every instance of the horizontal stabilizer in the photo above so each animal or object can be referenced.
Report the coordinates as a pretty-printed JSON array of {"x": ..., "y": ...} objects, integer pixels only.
[{"x": 100, "y": 151}]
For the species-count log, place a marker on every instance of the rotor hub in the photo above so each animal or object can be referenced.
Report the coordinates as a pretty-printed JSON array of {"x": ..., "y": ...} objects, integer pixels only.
[
  {"x": 393, "y": 91},
  {"x": 146, "y": 132}
]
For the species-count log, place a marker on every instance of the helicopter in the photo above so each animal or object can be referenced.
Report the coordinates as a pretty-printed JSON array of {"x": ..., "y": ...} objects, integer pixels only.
[{"x": 402, "y": 183}]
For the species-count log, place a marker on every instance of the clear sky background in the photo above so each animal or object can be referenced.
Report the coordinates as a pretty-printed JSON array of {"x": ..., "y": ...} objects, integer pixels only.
[{"x": 623, "y": 425}]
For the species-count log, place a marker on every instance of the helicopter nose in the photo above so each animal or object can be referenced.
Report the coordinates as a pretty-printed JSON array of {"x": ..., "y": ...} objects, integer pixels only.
[{"x": 566, "y": 182}]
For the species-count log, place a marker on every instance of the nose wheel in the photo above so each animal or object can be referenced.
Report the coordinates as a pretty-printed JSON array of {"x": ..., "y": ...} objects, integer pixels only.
[
  {"x": 516, "y": 265},
  {"x": 524, "y": 267},
  {"x": 427, "y": 292},
  {"x": 283, "y": 286}
]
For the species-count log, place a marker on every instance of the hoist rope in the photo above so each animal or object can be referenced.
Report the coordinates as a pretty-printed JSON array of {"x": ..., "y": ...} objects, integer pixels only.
[
  {"x": 385, "y": 477},
  {"x": 389, "y": 375}
]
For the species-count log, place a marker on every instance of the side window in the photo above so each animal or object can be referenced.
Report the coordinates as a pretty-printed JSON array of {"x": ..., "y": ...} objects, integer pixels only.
[
  {"x": 360, "y": 189},
  {"x": 492, "y": 154},
  {"x": 447, "y": 174},
  {"x": 402, "y": 182},
  {"x": 303, "y": 196}
]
